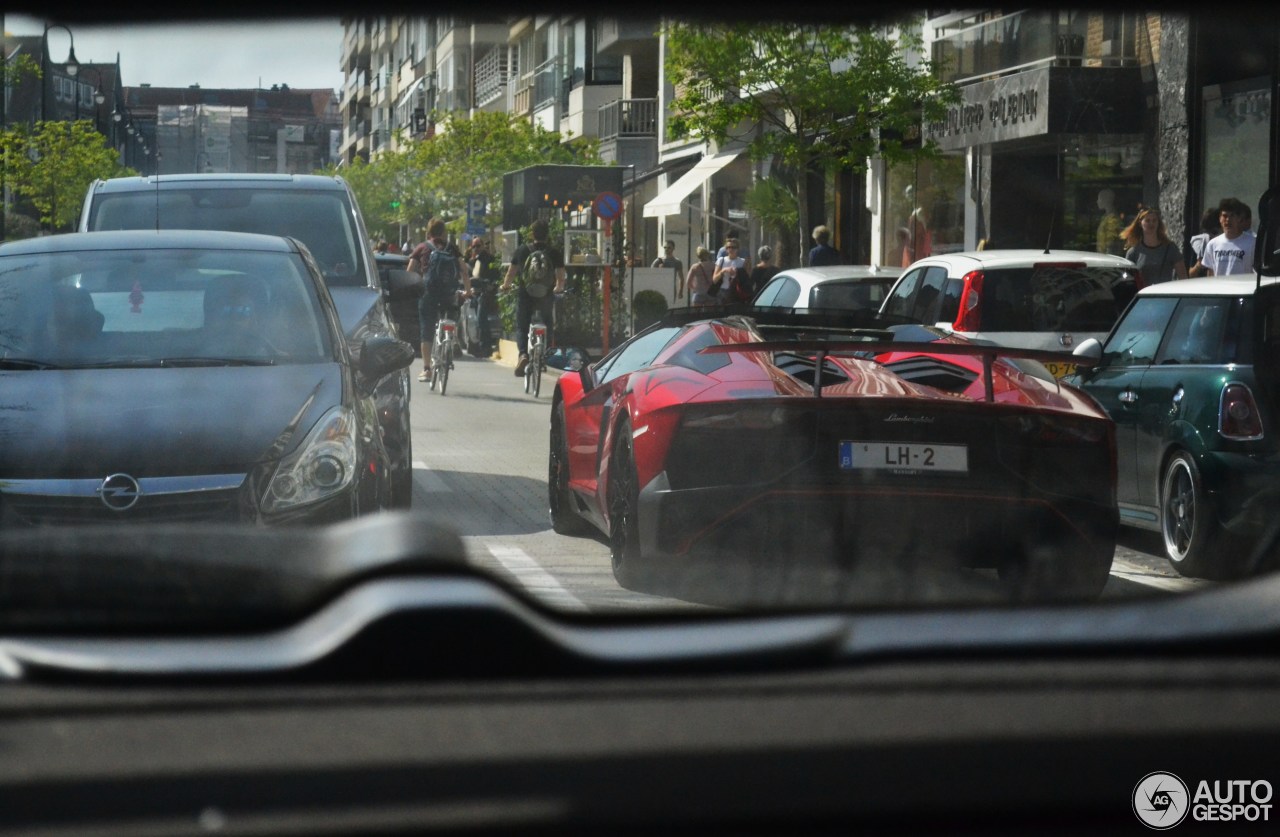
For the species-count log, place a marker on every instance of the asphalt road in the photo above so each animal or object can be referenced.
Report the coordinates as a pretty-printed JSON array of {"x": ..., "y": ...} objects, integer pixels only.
[{"x": 481, "y": 465}]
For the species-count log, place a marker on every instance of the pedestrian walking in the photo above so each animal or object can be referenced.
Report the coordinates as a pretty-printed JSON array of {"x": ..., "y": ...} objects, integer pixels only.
[
  {"x": 1209, "y": 228},
  {"x": 823, "y": 253},
  {"x": 1232, "y": 251},
  {"x": 698, "y": 282},
  {"x": 1149, "y": 247}
]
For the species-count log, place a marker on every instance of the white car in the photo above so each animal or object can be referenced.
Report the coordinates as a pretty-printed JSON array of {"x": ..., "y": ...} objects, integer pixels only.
[
  {"x": 1031, "y": 299},
  {"x": 841, "y": 287}
]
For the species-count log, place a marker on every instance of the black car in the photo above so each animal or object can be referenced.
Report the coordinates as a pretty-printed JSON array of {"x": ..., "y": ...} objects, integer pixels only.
[
  {"x": 402, "y": 289},
  {"x": 183, "y": 376},
  {"x": 319, "y": 211}
]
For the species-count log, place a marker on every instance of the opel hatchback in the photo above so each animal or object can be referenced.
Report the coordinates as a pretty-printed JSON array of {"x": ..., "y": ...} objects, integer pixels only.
[
  {"x": 183, "y": 376},
  {"x": 1028, "y": 299}
]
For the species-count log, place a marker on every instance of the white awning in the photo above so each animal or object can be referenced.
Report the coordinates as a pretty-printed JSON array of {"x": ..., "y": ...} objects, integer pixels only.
[{"x": 670, "y": 201}]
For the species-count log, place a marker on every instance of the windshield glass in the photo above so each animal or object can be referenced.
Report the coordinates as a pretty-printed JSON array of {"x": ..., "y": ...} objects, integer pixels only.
[
  {"x": 606, "y": 439},
  {"x": 320, "y": 219},
  {"x": 106, "y": 308}
]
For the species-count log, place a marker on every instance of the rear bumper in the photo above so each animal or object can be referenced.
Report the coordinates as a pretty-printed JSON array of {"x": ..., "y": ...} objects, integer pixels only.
[{"x": 894, "y": 545}]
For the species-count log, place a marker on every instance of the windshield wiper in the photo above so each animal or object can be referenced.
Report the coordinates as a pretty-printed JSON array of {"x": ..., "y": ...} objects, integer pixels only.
[
  {"x": 173, "y": 362},
  {"x": 26, "y": 363}
]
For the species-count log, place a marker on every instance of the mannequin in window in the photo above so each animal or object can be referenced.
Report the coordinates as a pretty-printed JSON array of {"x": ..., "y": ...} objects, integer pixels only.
[{"x": 1111, "y": 225}]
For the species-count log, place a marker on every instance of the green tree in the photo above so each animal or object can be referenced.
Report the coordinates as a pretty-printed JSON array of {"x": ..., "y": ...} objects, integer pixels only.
[
  {"x": 52, "y": 164},
  {"x": 390, "y": 191},
  {"x": 811, "y": 97},
  {"x": 469, "y": 156}
]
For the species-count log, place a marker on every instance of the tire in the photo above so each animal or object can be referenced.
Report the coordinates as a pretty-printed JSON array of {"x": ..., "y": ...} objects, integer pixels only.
[
  {"x": 1193, "y": 542},
  {"x": 528, "y": 377},
  {"x": 534, "y": 371},
  {"x": 559, "y": 499},
  {"x": 402, "y": 478},
  {"x": 624, "y": 504},
  {"x": 442, "y": 368},
  {"x": 1049, "y": 564}
]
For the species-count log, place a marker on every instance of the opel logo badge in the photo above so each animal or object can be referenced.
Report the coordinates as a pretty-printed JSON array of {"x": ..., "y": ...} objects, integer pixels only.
[
  {"x": 1066, "y": 339},
  {"x": 119, "y": 492}
]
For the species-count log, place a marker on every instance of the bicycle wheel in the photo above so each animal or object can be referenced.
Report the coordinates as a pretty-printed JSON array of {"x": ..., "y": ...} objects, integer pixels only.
[
  {"x": 435, "y": 364},
  {"x": 528, "y": 369},
  {"x": 535, "y": 372},
  {"x": 445, "y": 365}
]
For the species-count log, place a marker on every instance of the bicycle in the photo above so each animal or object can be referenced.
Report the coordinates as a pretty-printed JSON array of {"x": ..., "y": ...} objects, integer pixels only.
[
  {"x": 443, "y": 349},
  {"x": 537, "y": 357}
]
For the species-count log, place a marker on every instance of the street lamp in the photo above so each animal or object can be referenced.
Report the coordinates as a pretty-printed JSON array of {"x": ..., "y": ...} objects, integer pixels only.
[
  {"x": 71, "y": 67},
  {"x": 98, "y": 97}
]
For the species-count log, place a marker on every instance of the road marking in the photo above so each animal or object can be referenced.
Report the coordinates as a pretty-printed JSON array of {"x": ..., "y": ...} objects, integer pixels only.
[
  {"x": 533, "y": 577},
  {"x": 1129, "y": 571},
  {"x": 430, "y": 481}
]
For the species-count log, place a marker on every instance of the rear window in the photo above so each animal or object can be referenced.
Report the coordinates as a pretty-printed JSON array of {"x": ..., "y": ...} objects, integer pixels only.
[
  {"x": 850, "y": 294},
  {"x": 1056, "y": 298},
  {"x": 322, "y": 220}
]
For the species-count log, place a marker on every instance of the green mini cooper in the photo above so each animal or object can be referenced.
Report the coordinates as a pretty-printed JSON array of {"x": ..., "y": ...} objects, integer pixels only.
[{"x": 1191, "y": 376}]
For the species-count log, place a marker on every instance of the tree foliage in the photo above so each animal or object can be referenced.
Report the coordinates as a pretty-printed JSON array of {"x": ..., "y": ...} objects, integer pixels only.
[
  {"x": 52, "y": 164},
  {"x": 811, "y": 97},
  {"x": 466, "y": 156}
]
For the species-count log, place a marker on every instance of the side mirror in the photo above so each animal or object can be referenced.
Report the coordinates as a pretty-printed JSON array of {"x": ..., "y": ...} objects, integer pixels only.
[
  {"x": 379, "y": 357},
  {"x": 1266, "y": 253},
  {"x": 1089, "y": 349},
  {"x": 402, "y": 284}
]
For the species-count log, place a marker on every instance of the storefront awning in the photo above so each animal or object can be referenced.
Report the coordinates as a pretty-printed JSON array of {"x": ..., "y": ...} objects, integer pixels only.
[{"x": 670, "y": 201}]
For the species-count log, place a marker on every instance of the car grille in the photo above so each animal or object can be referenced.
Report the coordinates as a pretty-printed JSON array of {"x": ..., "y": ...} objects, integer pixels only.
[{"x": 161, "y": 499}]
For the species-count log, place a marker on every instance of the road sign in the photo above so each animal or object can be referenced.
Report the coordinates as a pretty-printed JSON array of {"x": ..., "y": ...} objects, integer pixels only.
[
  {"x": 607, "y": 206},
  {"x": 475, "y": 215}
]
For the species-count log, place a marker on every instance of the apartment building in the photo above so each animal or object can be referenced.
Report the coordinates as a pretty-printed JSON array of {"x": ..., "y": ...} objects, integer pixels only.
[{"x": 579, "y": 76}]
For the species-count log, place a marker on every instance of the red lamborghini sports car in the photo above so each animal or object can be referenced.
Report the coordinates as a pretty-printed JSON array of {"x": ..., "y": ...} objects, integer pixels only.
[{"x": 776, "y": 458}]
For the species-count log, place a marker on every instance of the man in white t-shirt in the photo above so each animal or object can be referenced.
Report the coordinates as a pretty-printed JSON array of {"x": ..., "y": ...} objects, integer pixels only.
[{"x": 1231, "y": 252}]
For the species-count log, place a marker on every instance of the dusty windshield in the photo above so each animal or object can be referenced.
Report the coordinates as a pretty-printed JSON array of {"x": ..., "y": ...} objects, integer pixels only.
[{"x": 584, "y": 207}]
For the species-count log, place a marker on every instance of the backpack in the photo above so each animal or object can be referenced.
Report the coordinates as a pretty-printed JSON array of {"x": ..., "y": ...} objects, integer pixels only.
[
  {"x": 539, "y": 275},
  {"x": 441, "y": 277}
]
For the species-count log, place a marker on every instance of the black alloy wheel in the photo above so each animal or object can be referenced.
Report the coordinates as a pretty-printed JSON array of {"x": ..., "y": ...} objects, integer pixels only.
[{"x": 624, "y": 504}]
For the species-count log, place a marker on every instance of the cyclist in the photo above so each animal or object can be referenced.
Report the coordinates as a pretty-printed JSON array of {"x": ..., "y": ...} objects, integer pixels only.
[
  {"x": 535, "y": 293},
  {"x": 432, "y": 306}
]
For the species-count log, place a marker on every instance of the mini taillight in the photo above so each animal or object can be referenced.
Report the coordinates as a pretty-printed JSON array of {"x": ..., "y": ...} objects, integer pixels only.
[
  {"x": 1238, "y": 416},
  {"x": 970, "y": 316}
]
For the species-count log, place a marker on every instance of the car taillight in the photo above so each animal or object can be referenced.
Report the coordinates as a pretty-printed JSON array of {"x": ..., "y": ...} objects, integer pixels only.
[
  {"x": 970, "y": 316},
  {"x": 1238, "y": 416}
]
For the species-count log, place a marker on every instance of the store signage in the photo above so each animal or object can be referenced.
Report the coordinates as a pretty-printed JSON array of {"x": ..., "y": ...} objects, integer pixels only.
[{"x": 1005, "y": 108}]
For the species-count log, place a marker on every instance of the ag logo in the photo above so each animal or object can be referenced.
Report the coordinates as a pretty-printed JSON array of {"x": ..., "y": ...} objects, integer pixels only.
[{"x": 1161, "y": 800}]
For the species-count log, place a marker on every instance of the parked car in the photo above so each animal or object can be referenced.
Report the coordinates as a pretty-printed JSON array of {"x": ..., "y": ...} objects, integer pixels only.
[
  {"x": 403, "y": 289},
  {"x": 844, "y": 287},
  {"x": 1191, "y": 376},
  {"x": 1030, "y": 299},
  {"x": 728, "y": 460},
  {"x": 183, "y": 376},
  {"x": 319, "y": 211}
]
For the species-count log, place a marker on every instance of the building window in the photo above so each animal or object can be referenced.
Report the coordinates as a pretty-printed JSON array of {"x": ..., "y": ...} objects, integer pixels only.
[{"x": 1236, "y": 138}]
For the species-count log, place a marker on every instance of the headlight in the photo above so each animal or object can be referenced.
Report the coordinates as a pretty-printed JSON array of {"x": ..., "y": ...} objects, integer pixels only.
[{"x": 322, "y": 466}]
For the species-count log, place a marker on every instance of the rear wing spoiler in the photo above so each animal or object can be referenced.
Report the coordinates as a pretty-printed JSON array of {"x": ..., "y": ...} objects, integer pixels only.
[{"x": 822, "y": 348}]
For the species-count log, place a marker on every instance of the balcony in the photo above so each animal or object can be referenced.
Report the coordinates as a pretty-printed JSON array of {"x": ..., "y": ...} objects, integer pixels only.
[
  {"x": 616, "y": 36},
  {"x": 522, "y": 97},
  {"x": 1037, "y": 37},
  {"x": 492, "y": 72},
  {"x": 546, "y": 84},
  {"x": 629, "y": 118}
]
